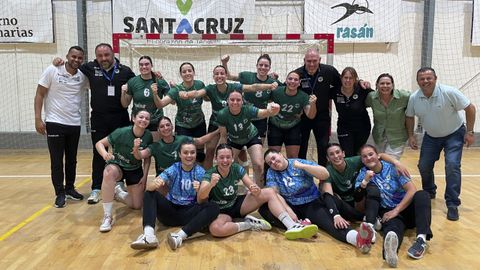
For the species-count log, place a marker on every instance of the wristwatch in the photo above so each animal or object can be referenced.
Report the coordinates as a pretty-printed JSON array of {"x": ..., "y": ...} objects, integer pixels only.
[{"x": 471, "y": 132}]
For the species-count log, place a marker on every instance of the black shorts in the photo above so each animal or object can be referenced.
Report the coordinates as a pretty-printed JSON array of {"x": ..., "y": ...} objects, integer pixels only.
[
  {"x": 211, "y": 127},
  {"x": 132, "y": 177},
  {"x": 195, "y": 132},
  {"x": 279, "y": 136},
  {"x": 234, "y": 210},
  {"x": 261, "y": 126},
  {"x": 253, "y": 141},
  {"x": 153, "y": 126}
]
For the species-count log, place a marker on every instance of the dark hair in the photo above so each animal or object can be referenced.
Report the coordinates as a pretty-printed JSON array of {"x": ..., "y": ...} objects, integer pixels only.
[
  {"x": 78, "y": 48},
  {"x": 219, "y": 66},
  {"x": 235, "y": 91},
  {"x": 189, "y": 142},
  {"x": 352, "y": 71},
  {"x": 425, "y": 69},
  {"x": 270, "y": 151},
  {"x": 296, "y": 72},
  {"x": 384, "y": 75},
  {"x": 140, "y": 110},
  {"x": 186, "y": 63},
  {"x": 104, "y": 45},
  {"x": 368, "y": 146},
  {"x": 154, "y": 77},
  {"x": 164, "y": 118},
  {"x": 223, "y": 146},
  {"x": 334, "y": 144},
  {"x": 266, "y": 57}
]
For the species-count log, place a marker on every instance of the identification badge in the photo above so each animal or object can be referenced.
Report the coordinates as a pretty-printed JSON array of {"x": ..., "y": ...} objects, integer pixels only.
[{"x": 111, "y": 91}]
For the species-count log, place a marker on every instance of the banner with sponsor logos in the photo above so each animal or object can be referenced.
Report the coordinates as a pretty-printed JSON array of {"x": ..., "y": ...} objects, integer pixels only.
[
  {"x": 21, "y": 23},
  {"x": 476, "y": 23},
  {"x": 354, "y": 21},
  {"x": 184, "y": 16}
]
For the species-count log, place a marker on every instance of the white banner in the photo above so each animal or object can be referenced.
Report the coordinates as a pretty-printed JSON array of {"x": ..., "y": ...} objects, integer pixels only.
[
  {"x": 476, "y": 23},
  {"x": 354, "y": 21},
  {"x": 20, "y": 23},
  {"x": 184, "y": 16}
]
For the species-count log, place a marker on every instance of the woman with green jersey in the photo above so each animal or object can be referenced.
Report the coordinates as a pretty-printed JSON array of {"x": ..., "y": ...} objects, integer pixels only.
[
  {"x": 217, "y": 94},
  {"x": 121, "y": 164},
  {"x": 146, "y": 90},
  {"x": 284, "y": 128},
  {"x": 219, "y": 185},
  {"x": 235, "y": 121},
  {"x": 165, "y": 150},
  {"x": 190, "y": 120}
]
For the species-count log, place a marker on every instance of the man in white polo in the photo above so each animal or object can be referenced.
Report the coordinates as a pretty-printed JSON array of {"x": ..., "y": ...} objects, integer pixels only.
[
  {"x": 437, "y": 106},
  {"x": 60, "y": 90}
]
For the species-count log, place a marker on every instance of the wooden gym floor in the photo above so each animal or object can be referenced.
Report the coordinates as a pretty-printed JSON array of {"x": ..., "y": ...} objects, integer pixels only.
[{"x": 35, "y": 235}]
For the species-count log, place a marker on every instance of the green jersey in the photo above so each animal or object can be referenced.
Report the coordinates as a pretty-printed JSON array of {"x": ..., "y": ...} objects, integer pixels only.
[
  {"x": 141, "y": 91},
  {"x": 165, "y": 154},
  {"x": 225, "y": 192},
  {"x": 259, "y": 98},
  {"x": 121, "y": 141},
  {"x": 219, "y": 99},
  {"x": 239, "y": 127},
  {"x": 189, "y": 111},
  {"x": 291, "y": 107},
  {"x": 343, "y": 184}
]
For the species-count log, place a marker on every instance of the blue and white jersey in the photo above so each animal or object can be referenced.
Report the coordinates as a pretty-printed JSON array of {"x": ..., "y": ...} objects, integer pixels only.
[
  {"x": 295, "y": 185},
  {"x": 180, "y": 183},
  {"x": 388, "y": 182}
]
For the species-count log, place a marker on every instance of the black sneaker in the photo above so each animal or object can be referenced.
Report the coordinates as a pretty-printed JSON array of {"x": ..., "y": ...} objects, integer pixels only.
[
  {"x": 452, "y": 213},
  {"x": 60, "y": 201},
  {"x": 72, "y": 194},
  {"x": 417, "y": 250}
]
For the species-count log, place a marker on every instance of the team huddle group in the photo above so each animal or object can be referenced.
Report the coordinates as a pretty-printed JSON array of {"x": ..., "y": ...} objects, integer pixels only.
[{"x": 198, "y": 169}]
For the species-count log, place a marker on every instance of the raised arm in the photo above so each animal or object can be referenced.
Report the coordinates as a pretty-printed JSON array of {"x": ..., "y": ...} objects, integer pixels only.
[
  {"x": 206, "y": 187},
  {"x": 192, "y": 94},
  {"x": 259, "y": 87},
  {"x": 206, "y": 138},
  {"x": 231, "y": 76},
  {"x": 271, "y": 110},
  {"x": 223, "y": 135},
  {"x": 125, "y": 98},
  {"x": 140, "y": 154},
  {"x": 402, "y": 169},
  {"x": 317, "y": 171},
  {"x": 311, "y": 109},
  {"x": 155, "y": 184},
  {"x": 164, "y": 102},
  {"x": 38, "y": 105}
]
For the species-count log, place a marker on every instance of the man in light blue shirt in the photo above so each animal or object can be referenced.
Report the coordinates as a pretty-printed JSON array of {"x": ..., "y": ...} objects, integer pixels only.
[{"x": 437, "y": 106}]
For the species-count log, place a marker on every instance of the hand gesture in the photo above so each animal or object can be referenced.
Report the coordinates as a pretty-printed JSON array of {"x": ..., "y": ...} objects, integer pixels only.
[
  {"x": 124, "y": 88},
  {"x": 365, "y": 84},
  {"x": 273, "y": 86},
  {"x": 40, "y": 127},
  {"x": 215, "y": 178},
  {"x": 297, "y": 164},
  {"x": 158, "y": 182},
  {"x": 158, "y": 75},
  {"x": 254, "y": 189},
  {"x": 402, "y": 170},
  {"x": 368, "y": 175},
  {"x": 183, "y": 94},
  {"x": 136, "y": 143},
  {"x": 312, "y": 100},
  {"x": 154, "y": 88},
  {"x": 57, "y": 61},
  {"x": 273, "y": 108},
  {"x": 196, "y": 185},
  {"x": 225, "y": 58},
  {"x": 274, "y": 75}
]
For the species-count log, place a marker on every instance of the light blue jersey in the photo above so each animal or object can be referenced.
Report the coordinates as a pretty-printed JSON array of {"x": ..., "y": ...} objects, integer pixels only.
[
  {"x": 295, "y": 185},
  {"x": 180, "y": 183},
  {"x": 388, "y": 182}
]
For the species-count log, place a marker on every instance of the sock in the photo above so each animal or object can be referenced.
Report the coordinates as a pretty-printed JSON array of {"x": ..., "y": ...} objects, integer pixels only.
[
  {"x": 286, "y": 220},
  {"x": 149, "y": 230},
  {"x": 107, "y": 208},
  {"x": 352, "y": 237},
  {"x": 423, "y": 236},
  {"x": 123, "y": 195},
  {"x": 182, "y": 234},
  {"x": 243, "y": 226}
]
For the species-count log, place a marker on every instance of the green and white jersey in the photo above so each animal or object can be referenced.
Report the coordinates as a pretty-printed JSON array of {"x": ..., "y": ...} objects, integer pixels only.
[
  {"x": 224, "y": 194},
  {"x": 291, "y": 107},
  {"x": 141, "y": 91},
  {"x": 343, "y": 184},
  {"x": 189, "y": 111},
  {"x": 258, "y": 99},
  {"x": 219, "y": 99},
  {"x": 121, "y": 141},
  {"x": 239, "y": 127},
  {"x": 165, "y": 154}
]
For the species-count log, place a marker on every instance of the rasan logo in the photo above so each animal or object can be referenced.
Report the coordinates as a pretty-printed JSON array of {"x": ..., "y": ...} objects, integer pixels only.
[
  {"x": 358, "y": 8},
  {"x": 170, "y": 25}
]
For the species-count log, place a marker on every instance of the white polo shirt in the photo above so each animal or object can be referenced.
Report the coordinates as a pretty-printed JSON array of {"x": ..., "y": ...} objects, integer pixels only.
[
  {"x": 63, "y": 100},
  {"x": 439, "y": 114}
]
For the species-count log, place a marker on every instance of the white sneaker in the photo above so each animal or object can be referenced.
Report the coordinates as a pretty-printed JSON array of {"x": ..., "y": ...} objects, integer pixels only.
[
  {"x": 145, "y": 242},
  {"x": 122, "y": 185},
  {"x": 95, "y": 196},
  {"x": 378, "y": 224},
  {"x": 390, "y": 246},
  {"x": 107, "y": 223},
  {"x": 301, "y": 231},
  {"x": 174, "y": 240},
  {"x": 258, "y": 224},
  {"x": 120, "y": 194}
]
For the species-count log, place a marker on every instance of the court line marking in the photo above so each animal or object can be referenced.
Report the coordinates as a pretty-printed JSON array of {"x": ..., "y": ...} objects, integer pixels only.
[{"x": 35, "y": 215}]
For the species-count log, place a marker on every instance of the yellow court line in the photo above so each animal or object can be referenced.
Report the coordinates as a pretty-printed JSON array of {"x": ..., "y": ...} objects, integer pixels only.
[{"x": 34, "y": 216}]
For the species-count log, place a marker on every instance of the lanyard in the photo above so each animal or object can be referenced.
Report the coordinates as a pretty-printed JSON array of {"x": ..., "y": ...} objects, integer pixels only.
[{"x": 110, "y": 78}]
